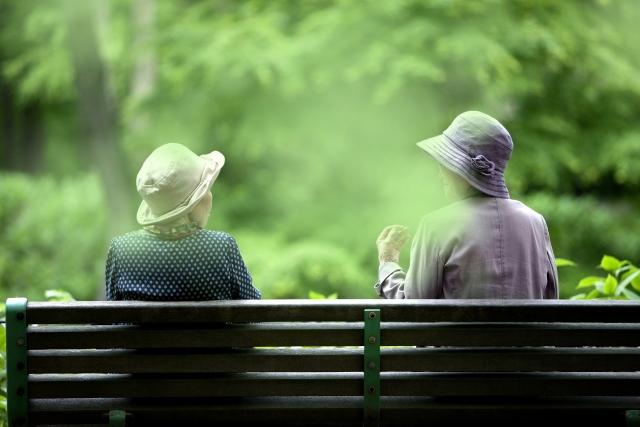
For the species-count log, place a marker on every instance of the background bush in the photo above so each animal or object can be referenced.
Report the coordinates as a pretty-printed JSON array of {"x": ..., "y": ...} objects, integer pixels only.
[
  {"x": 584, "y": 228},
  {"x": 52, "y": 235},
  {"x": 291, "y": 270}
]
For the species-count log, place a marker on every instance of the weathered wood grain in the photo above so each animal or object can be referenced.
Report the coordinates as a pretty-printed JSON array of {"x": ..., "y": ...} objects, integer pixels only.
[
  {"x": 198, "y": 385},
  {"x": 333, "y": 384},
  {"x": 447, "y": 359},
  {"x": 585, "y": 411},
  {"x": 220, "y": 335},
  {"x": 104, "y": 312},
  {"x": 139, "y": 361},
  {"x": 333, "y": 334}
]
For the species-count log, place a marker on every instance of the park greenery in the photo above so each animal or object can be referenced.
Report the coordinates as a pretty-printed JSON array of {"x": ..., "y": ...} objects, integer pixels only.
[
  {"x": 317, "y": 107},
  {"x": 3, "y": 369},
  {"x": 620, "y": 274}
]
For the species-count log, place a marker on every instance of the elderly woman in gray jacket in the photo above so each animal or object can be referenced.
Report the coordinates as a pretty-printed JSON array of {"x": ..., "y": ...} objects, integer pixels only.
[{"x": 483, "y": 244}]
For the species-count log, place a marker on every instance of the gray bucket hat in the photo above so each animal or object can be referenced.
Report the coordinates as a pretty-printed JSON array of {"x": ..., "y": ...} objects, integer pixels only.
[
  {"x": 173, "y": 180},
  {"x": 476, "y": 147}
]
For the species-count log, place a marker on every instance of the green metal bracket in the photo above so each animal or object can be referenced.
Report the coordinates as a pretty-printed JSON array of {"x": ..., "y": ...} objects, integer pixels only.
[
  {"x": 117, "y": 418},
  {"x": 17, "y": 401},
  {"x": 371, "y": 368},
  {"x": 633, "y": 418}
]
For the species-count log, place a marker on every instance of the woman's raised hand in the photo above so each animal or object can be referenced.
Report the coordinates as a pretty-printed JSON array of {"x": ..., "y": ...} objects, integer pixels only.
[{"x": 391, "y": 241}]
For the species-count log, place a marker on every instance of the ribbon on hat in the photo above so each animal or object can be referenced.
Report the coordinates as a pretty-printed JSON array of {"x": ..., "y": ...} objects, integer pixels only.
[{"x": 483, "y": 165}]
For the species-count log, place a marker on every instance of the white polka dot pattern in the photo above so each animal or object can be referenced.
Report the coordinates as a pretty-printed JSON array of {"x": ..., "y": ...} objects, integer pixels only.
[{"x": 206, "y": 265}]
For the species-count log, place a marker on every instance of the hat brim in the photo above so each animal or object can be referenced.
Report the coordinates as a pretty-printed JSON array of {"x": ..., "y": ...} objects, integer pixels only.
[
  {"x": 453, "y": 158},
  {"x": 214, "y": 162}
]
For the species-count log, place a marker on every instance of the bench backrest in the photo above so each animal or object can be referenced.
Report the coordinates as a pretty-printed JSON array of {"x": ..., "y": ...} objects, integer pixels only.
[{"x": 296, "y": 361}]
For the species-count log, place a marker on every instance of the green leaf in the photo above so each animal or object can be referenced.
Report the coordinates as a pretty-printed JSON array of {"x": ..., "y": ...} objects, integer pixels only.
[
  {"x": 635, "y": 281},
  {"x": 622, "y": 270},
  {"x": 316, "y": 295},
  {"x": 610, "y": 263},
  {"x": 589, "y": 281},
  {"x": 58, "y": 295},
  {"x": 627, "y": 278},
  {"x": 630, "y": 294},
  {"x": 333, "y": 296},
  {"x": 561, "y": 262},
  {"x": 610, "y": 285},
  {"x": 593, "y": 294},
  {"x": 578, "y": 296}
]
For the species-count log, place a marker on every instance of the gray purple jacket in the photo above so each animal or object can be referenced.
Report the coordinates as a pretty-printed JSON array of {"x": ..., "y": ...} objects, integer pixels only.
[{"x": 480, "y": 247}]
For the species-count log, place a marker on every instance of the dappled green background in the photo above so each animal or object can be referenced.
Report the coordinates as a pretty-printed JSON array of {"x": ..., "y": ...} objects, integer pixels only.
[{"x": 317, "y": 106}]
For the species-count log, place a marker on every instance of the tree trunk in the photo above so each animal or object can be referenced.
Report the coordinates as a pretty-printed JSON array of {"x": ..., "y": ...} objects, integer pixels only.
[
  {"x": 144, "y": 72},
  {"x": 22, "y": 137},
  {"x": 32, "y": 141},
  {"x": 99, "y": 116},
  {"x": 143, "y": 77},
  {"x": 8, "y": 136}
]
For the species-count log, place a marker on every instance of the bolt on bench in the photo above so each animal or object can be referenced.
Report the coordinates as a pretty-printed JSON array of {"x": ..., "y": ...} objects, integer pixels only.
[{"x": 508, "y": 362}]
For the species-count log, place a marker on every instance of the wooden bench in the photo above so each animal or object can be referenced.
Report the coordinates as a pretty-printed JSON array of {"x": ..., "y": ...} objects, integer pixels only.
[{"x": 318, "y": 362}]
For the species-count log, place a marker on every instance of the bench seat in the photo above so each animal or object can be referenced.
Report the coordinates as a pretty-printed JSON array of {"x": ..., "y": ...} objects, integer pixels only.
[{"x": 286, "y": 362}]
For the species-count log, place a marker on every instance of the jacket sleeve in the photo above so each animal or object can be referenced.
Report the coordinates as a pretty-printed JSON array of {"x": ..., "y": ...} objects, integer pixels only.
[
  {"x": 111, "y": 274},
  {"x": 240, "y": 279},
  {"x": 391, "y": 279},
  {"x": 552, "y": 289},
  {"x": 424, "y": 277}
]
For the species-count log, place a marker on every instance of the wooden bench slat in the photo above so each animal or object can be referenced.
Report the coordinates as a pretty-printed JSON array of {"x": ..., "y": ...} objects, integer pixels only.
[
  {"x": 134, "y": 361},
  {"x": 514, "y": 359},
  {"x": 515, "y": 384},
  {"x": 336, "y": 310},
  {"x": 138, "y": 336},
  {"x": 510, "y": 334},
  {"x": 189, "y": 411},
  {"x": 334, "y": 384},
  {"x": 587, "y": 411},
  {"x": 594, "y": 411},
  {"x": 200, "y": 385},
  {"x": 336, "y": 360},
  {"x": 335, "y": 334}
]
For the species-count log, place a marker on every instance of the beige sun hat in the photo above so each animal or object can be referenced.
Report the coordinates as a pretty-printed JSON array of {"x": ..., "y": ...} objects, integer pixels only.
[{"x": 173, "y": 180}]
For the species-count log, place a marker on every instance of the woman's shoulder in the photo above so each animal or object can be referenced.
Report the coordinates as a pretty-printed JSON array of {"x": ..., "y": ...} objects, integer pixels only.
[
  {"x": 522, "y": 209},
  {"x": 128, "y": 237},
  {"x": 213, "y": 235},
  {"x": 143, "y": 237}
]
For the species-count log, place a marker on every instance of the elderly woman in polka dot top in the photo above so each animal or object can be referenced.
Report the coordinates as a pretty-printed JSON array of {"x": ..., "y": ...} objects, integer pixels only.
[{"x": 173, "y": 258}]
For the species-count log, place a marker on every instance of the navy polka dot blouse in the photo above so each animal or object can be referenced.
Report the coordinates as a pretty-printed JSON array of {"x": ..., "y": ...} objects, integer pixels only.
[{"x": 206, "y": 265}]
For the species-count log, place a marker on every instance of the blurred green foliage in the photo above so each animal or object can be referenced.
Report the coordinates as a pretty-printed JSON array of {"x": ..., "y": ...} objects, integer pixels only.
[
  {"x": 583, "y": 228},
  {"x": 620, "y": 274},
  {"x": 316, "y": 295},
  {"x": 3, "y": 368},
  {"x": 58, "y": 295},
  {"x": 317, "y": 107},
  {"x": 292, "y": 270},
  {"x": 51, "y": 235}
]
